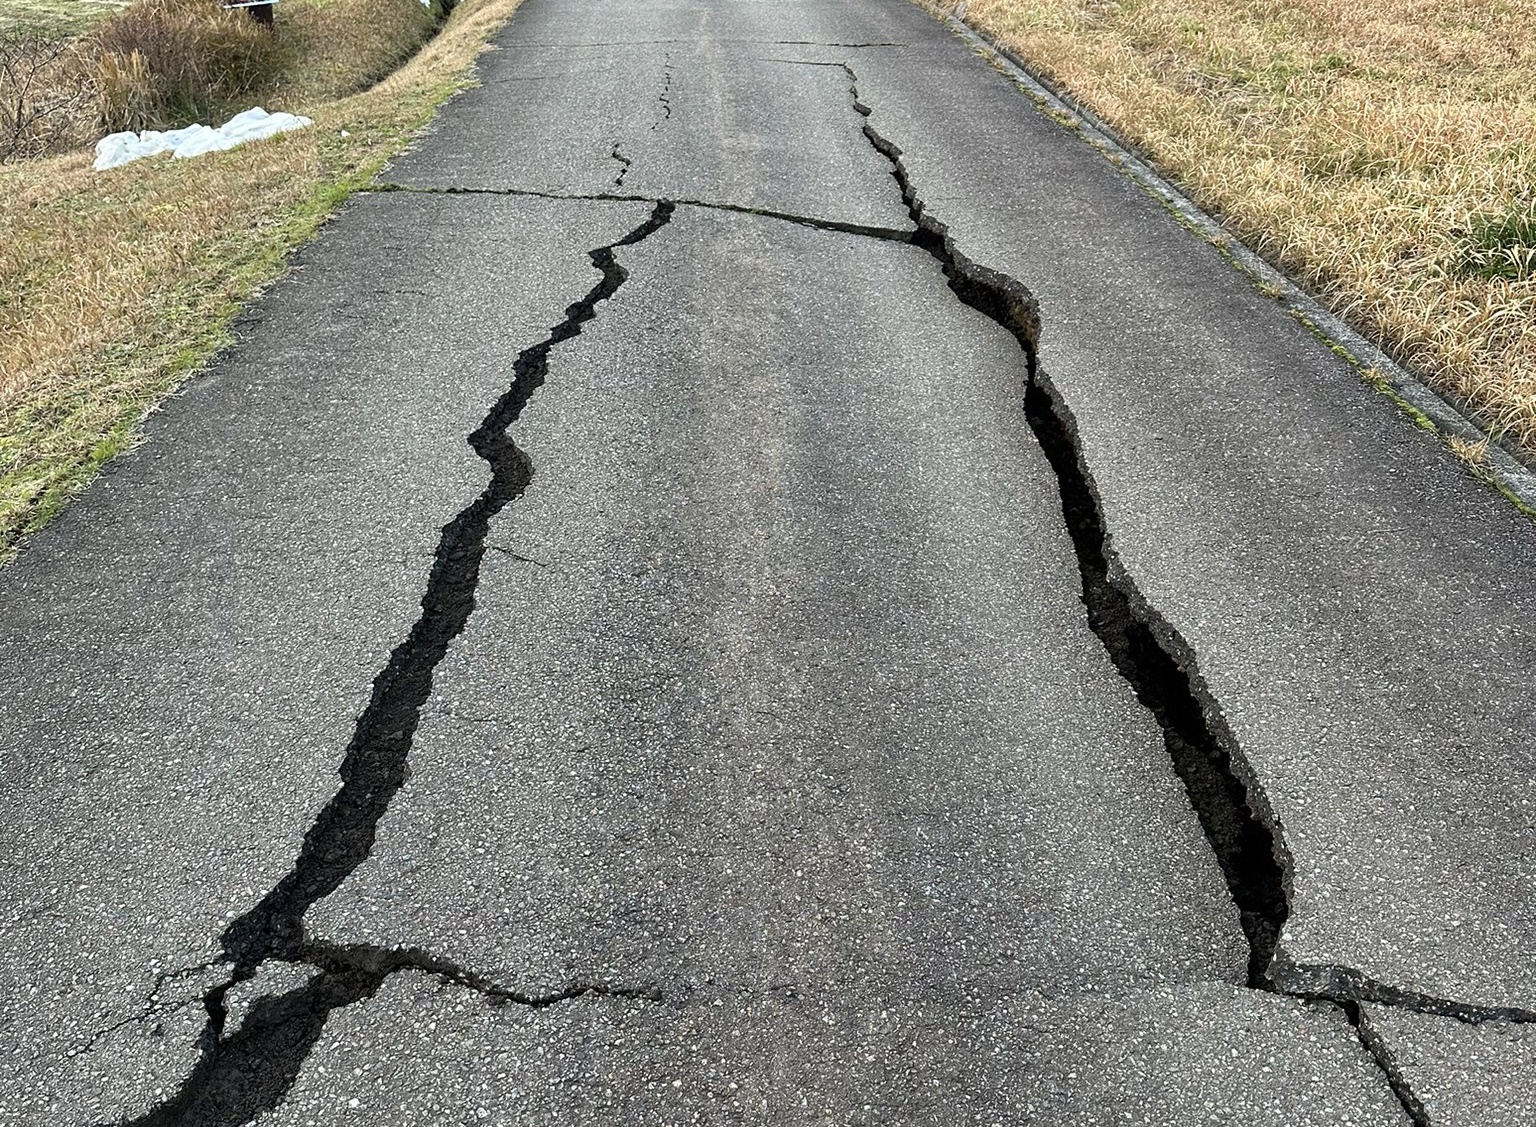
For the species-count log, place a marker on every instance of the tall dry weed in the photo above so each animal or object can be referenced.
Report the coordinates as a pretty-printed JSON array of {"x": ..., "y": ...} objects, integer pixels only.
[
  {"x": 165, "y": 61},
  {"x": 46, "y": 96}
]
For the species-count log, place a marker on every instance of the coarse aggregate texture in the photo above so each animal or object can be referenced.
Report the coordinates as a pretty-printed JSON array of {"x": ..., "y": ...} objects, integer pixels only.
[
  {"x": 1158, "y": 1057},
  {"x": 1463, "y": 1075}
]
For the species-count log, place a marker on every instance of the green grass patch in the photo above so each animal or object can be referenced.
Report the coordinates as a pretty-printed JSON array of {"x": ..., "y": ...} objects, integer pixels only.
[{"x": 1499, "y": 246}]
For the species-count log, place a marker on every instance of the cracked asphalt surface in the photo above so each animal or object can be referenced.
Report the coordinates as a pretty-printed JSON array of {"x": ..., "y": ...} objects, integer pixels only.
[{"x": 827, "y": 606}]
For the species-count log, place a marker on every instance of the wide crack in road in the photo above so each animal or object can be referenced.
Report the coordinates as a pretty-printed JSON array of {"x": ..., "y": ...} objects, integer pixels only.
[{"x": 255, "y": 1064}]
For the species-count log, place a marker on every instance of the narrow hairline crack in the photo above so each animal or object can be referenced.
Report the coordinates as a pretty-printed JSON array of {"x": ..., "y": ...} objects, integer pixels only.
[
  {"x": 1379, "y": 1051},
  {"x": 833, "y": 46},
  {"x": 861, "y": 230},
  {"x": 366, "y": 958},
  {"x": 1345, "y": 985},
  {"x": 665, "y": 97},
  {"x": 152, "y": 1005},
  {"x": 531, "y": 45},
  {"x": 624, "y": 163},
  {"x": 279, "y": 1031}
]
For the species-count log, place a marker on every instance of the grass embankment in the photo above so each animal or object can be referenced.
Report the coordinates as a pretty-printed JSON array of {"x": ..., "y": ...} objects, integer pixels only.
[
  {"x": 1385, "y": 154},
  {"x": 115, "y": 286},
  {"x": 55, "y": 17}
]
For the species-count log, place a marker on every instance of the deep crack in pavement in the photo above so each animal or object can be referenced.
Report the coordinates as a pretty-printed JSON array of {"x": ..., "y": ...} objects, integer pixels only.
[
  {"x": 1243, "y": 835},
  {"x": 282, "y": 1030},
  {"x": 1149, "y": 654}
]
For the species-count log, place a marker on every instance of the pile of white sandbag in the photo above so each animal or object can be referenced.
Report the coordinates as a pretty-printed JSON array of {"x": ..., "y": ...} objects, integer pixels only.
[{"x": 194, "y": 140}]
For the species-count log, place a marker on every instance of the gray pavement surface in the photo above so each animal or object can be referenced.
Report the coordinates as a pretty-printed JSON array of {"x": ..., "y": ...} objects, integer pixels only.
[
  {"x": 1360, "y": 608},
  {"x": 818, "y": 711},
  {"x": 722, "y": 736},
  {"x": 1140, "y": 1057},
  {"x": 1462, "y": 1075},
  {"x": 184, "y": 652}
]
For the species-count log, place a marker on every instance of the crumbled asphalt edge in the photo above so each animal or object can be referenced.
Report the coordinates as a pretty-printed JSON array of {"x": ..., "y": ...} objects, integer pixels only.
[
  {"x": 1238, "y": 823},
  {"x": 1505, "y": 464},
  {"x": 250, "y": 1072}
]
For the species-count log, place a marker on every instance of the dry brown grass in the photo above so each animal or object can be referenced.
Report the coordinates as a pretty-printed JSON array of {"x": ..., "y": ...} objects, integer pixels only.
[
  {"x": 1383, "y": 153},
  {"x": 166, "y": 62},
  {"x": 48, "y": 95},
  {"x": 115, "y": 286}
]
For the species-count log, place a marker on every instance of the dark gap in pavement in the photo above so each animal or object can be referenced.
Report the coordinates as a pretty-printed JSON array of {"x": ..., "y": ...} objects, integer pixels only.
[
  {"x": 375, "y": 764},
  {"x": 252, "y": 1070},
  {"x": 1342, "y": 984},
  {"x": 1241, "y": 828},
  {"x": 1250, "y": 853},
  {"x": 365, "y": 958},
  {"x": 1377, "y": 1047},
  {"x": 847, "y": 46},
  {"x": 665, "y": 97},
  {"x": 887, "y": 234},
  {"x": 624, "y": 162}
]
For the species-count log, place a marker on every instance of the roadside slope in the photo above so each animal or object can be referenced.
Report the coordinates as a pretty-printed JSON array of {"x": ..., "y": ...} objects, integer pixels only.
[{"x": 116, "y": 287}]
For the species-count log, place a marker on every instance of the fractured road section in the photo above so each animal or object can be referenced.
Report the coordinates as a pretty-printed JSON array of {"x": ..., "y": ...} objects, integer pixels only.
[
  {"x": 185, "y": 651},
  {"x": 751, "y": 730},
  {"x": 780, "y": 677},
  {"x": 1151, "y": 1056},
  {"x": 780, "y": 705},
  {"x": 1458, "y": 1074},
  {"x": 710, "y": 106},
  {"x": 1358, "y": 607}
]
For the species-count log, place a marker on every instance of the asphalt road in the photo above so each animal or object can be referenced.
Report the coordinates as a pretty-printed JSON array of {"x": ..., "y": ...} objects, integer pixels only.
[{"x": 762, "y": 580}]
